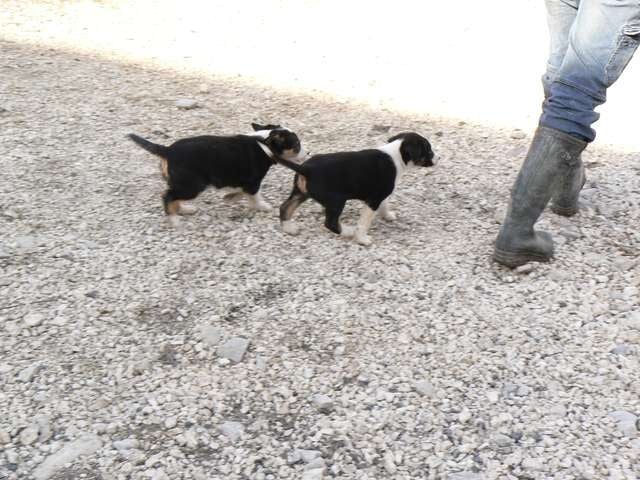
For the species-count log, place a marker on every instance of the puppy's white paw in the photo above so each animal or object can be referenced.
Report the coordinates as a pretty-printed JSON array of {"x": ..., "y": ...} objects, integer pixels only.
[
  {"x": 232, "y": 197},
  {"x": 290, "y": 228},
  {"x": 363, "y": 239},
  {"x": 347, "y": 231},
  {"x": 174, "y": 221},
  {"x": 187, "y": 209},
  {"x": 389, "y": 216},
  {"x": 262, "y": 207}
]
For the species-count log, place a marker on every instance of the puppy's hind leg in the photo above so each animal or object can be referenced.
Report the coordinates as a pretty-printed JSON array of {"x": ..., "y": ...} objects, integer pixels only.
[
  {"x": 288, "y": 207},
  {"x": 333, "y": 210},
  {"x": 172, "y": 201},
  {"x": 386, "y": 212}
]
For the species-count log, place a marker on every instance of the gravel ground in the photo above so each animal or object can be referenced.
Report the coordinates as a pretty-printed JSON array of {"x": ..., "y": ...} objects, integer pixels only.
[{"x": 225, "y": 349}]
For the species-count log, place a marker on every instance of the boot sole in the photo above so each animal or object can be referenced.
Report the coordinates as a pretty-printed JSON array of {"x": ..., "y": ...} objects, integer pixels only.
[
  {"x": 564, "y": 211},
  {"x": 517, "y": 259}
]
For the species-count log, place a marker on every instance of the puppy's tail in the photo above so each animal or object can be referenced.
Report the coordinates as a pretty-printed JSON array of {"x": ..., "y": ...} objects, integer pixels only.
[
  {"x": 159, "y": 150},
  {"x": 296, "y": 167}
]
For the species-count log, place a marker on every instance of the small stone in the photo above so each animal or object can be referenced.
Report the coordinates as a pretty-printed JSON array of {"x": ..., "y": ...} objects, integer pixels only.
[
  {"x": 29, "y": 435},
  {"x": 493, "y": 396},
  {"x": 170, "y": 422},
  {"x": 323, "y": 403},
  {"x": 5, "y": 368},
  {"x": 294, "y": 457},
  {"x": 425, "y": 388},
  {"x": 526, "y": 268},
  {"x": 465, "y": 476},
  {"x": 316, "y": 463},
  {"x": 464, "y": 416},
  {"x": 518, "y": 134},
  {"x": 628, "y": 429},
  {"x": 159, "y": 475},
  {"x": 211, "y": 335},
  {"x": 83, "y": 446},
  {"x": 191, "y": 439},
  {"x": 533, "y": 464},
  {"x": 4, "y": 253},
  {"x": 186, "y": 104},
  {"x": 5, "y": 437},
  {"x": 307, "y": 456},
  {"x": 502, "y": 441},
  {"x": 44, "y": 428},
  {"x": 204, "y": 88},
  {"x": 232, "y": 430},
  {"x": 126, "y": 444},
  {"x": 558, "y": 411},
  {"x": 570, "y": 233},
  {"x": 26, "y": 242},
  {"x": 59, "y": 321},
  {"x": 27, "y": 374},
  {"x": 316, "y": 474},
  {"x": 499, "y": 215},
  {"x": 621, "y": 349},
  {"x": 233, "y": 349},
  {"x": 623, "y": 416},
  {"x": 389, "y": 462},
  {"x": 33, "y": 319},
  {"x": 523, "y": 391}
]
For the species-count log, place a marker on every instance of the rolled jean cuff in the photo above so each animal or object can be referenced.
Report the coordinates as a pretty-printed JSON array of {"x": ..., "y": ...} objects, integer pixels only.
[{"x": 570, "y": 110}]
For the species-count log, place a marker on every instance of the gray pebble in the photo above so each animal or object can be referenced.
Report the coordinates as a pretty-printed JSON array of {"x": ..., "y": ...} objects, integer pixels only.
[
  {"x": 425, "y": 388},
  {"x": 465, "y": 476},
  {"x": 29, "y": 435},
  {"x": 317, "y": 474},
  {"x": 67, "y": 454},
  {"x": 33, "y": 319},
  {"x": 232, "y": 430},
  {"x": 502, "y": 440},
  {"x": 186, "y": 104},
  {"x": 233, "y": 349},
  {"x": 621, "y": 349},
  {"x": 211, "y": 335},
  {"x": 323, "y": 403}
]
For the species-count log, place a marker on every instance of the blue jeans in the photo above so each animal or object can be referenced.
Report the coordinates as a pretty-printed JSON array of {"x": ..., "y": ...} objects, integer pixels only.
[{"x": 592, "y": 41}]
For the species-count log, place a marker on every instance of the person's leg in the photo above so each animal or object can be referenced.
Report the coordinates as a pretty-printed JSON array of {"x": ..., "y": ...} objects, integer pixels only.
[
  {"x": 601, "y": 44},
  {"x": 560, "y": 17},
  {"x": 603, "y": 38}
]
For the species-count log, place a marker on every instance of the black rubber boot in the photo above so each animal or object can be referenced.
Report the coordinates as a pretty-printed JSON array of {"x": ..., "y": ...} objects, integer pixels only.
[
  {"x": 565, "y": 199},
  {"x": 552, "y": 155}
]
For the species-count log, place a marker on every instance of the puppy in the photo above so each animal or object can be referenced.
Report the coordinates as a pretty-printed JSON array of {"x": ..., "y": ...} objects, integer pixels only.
[
  {"x": 235, "y": 163},
  {"x": 368, "y": 175}
]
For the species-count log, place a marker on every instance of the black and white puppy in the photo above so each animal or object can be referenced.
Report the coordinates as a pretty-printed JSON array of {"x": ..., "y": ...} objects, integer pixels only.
[
  {"x": 236, "y": 164},
  {"x": 368, "y": 175}
]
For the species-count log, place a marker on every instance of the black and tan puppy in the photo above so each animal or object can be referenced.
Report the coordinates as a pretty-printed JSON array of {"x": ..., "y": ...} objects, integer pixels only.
[
  {"x": 368, "y": 175},
  {"x": 236, "y": 164}
]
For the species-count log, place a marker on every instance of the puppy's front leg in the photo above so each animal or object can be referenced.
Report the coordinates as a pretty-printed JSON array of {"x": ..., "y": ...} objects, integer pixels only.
[
  {"x": 386, "y": 212},
  {"x": 259, "y": 203},
  {"x": 364, "y": 223}
]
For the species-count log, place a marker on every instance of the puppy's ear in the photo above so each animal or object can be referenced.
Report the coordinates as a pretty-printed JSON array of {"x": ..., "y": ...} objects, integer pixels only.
[
  {"x": 399, "y": 136},
  {"x": 257, "y": 126}
]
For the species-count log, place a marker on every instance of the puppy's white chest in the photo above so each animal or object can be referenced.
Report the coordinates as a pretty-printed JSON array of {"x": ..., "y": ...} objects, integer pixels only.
[{"x": 393, "y": 150}]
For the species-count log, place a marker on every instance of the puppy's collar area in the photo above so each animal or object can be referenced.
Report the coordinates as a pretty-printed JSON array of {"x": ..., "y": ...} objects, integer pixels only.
[
  {"x": 393, "y": 150},
  {"x": 267, "y": 150}
]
